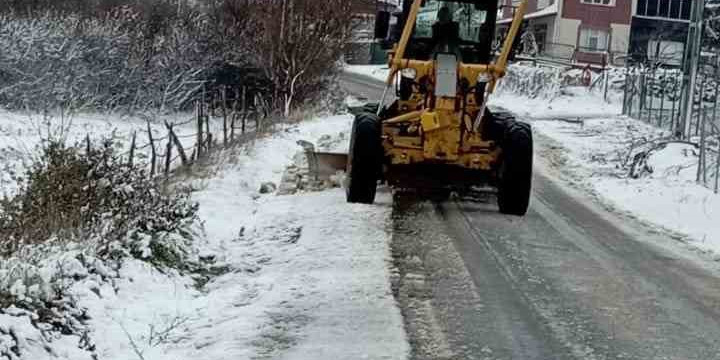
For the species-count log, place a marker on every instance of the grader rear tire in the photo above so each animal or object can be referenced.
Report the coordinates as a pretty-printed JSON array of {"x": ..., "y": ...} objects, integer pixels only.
[
  {"x": 364, "y": 159},
  {"x": 515, "y": 175}
]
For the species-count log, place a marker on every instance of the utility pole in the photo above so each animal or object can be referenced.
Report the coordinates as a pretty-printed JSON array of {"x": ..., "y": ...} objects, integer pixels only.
[{"x": 690, "y": 65}]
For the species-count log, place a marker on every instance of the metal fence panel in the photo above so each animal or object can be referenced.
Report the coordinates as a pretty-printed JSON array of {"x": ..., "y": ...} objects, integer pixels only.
[{"x": 654, "y": 95}]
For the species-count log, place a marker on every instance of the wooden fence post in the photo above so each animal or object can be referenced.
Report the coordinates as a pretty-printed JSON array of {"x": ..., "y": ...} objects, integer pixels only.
[
  {"x": 153, "y": 153},
  {"x": 232, "y": 124},
  {"x": 168, "y": 156},
  {"x": 132, "y": 149},
  {"x": 209, "y": 134},
  {"x": 244, "y": 107},
  {"x": 236, "y": 102},
  {"x": 199, "y": 140},
  {"x": 172, "y": 137},
  {"x": 223, "y": 99}
]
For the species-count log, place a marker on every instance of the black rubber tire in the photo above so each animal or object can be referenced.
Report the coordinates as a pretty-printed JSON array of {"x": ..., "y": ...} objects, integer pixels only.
[
  {"x": 364, "y": 159},
  {"x": 515, "y": 173},
  {"x": 494, "y": 124}
]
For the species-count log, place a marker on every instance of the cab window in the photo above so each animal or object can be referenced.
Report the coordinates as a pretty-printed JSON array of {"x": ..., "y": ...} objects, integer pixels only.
[{"x": 469, "y": 20}]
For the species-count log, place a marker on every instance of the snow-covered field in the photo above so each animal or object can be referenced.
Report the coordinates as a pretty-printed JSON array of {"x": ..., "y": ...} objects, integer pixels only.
[{"x": 302, "y": 276}]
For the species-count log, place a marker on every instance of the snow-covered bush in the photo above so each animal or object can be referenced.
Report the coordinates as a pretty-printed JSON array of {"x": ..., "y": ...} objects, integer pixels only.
[
  {"x": 667, "y": 84},
  {"x": 36, "y": 293},
  {"x": 79, "y": 63},
  {"x": 80, "y": 213},
  {"x": 532, "y": 81},
  {"x": 83, "y": 193},
  {"x": 548, "y": 82},
  {"x": 162, "y": 56}
]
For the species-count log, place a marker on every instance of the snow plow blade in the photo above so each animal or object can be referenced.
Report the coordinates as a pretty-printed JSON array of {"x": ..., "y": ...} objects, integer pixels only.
[{"x": 323, "y": 165}]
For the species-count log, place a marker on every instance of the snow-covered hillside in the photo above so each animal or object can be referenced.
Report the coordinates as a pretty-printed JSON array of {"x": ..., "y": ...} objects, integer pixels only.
[{"x": 302, "y": 276}]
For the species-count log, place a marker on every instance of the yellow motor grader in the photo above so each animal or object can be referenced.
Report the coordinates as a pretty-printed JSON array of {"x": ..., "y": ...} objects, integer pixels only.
[{"x": 439, "y": 134}]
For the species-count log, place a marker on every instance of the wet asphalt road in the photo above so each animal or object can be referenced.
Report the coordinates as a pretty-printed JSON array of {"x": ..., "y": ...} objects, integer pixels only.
[{"x": 570, "y": 280}]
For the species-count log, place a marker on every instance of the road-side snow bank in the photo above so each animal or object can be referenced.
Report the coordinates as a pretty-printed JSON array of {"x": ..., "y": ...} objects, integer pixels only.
[
  {"x": 598, "y": 154},
  {"x": 303, "y": 276},
  {"x": 82, "y": 215},
  {"x": 308, "y": 280},
  {"x": 307, "y": 275}
]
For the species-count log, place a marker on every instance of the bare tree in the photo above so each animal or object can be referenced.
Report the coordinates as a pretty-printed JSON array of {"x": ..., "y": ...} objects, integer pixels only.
[
  {"x": 301, "y": 40},
  {"x": 161, "y": 54}
]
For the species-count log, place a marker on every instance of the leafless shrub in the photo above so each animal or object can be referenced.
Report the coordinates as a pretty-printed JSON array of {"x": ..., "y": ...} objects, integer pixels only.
[
  {"x": 635, "y": 160},
  {"x": 67, "y": 61},
  {"x": 88, "y": 191},
  {"x": 300, "y": 40}
]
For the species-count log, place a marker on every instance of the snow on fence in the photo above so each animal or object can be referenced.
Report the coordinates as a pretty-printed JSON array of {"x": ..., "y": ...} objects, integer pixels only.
[
  {"x": 655, "y": 96},
  {"x": 532, "y": 81},
  {"x": 535, "y": 80}
]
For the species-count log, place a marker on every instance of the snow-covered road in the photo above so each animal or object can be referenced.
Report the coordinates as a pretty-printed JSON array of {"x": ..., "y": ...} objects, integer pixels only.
[
  {"x": 590, "y": 140},
  {"x": 578, "y": 277}
]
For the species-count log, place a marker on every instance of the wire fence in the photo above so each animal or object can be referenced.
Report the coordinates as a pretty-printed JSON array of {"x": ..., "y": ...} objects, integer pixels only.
[
  {"x": 173, "y": 150},
  {"x": 655, "y": 95}
]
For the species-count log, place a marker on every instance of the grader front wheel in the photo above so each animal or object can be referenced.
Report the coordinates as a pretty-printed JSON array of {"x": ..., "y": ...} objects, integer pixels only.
[{"x": 364, "y": 159}]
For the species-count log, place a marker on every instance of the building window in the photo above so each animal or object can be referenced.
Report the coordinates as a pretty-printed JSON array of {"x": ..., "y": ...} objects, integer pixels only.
[
  {"x": 593, "y": 40},
  {"x": 599, "y": 2},
  {"x": 668, "y": 9},
  {"x": 540, "y": 36}
]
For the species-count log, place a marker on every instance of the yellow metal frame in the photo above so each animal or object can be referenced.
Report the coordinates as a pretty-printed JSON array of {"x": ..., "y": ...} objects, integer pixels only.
[
  {"x": 497, "y": 70},
  {"x": 439, "y": 127}
]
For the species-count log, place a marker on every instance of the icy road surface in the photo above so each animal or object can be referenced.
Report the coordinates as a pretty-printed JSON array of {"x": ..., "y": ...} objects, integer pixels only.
[{"x": 571, "y": 280}]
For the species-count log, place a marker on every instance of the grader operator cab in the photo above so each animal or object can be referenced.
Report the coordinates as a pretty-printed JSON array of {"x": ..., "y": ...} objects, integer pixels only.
[{"x": 439, "y": 134}]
